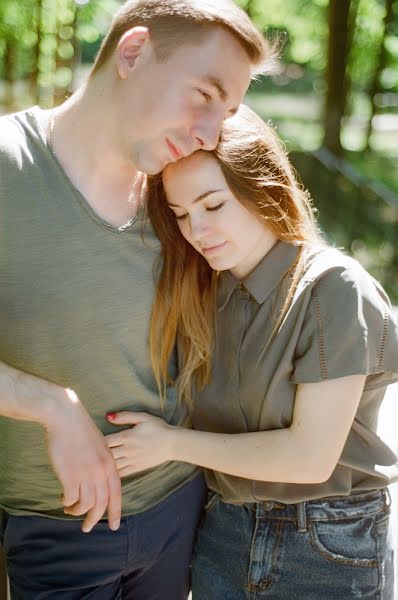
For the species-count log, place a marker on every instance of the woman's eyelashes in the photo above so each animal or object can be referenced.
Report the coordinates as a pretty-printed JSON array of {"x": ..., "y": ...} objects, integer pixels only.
[
  {"x": 208, "y": 208},
  {"x": 216, "y": 207}
]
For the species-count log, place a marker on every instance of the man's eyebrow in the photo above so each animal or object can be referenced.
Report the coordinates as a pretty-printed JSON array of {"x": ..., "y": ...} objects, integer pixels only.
[
  {"x": 218, "y": 84},
  {"x": 198, "y": 199}
]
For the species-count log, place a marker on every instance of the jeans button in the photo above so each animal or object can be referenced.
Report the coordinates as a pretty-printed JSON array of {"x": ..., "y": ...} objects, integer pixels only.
[{"x": 268, "y": 505}]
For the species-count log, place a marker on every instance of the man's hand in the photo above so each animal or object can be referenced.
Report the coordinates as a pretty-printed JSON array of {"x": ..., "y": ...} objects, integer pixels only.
[
  {"x": 83, "y": 464},
  {"x": 148, "y": 444},
  {"x": 78, "y": 451}
]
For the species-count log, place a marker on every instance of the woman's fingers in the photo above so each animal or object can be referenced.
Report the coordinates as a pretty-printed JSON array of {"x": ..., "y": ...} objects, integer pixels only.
[
  {"x": 128, "y": 471},
  {"x": 127, "y": 417},
  {"x": 121, "y": 463},
  {"x": 119, "y": 452}
]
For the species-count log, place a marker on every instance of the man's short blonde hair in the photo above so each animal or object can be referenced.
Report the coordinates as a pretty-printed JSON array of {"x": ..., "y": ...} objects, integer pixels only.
[{"x": 173, "y": 23}]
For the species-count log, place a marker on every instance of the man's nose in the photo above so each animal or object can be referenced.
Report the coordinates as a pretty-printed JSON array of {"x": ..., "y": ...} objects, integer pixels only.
[{"x": 207, "y": 131}]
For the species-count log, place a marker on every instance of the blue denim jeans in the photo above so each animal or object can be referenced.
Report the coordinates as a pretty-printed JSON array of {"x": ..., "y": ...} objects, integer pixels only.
[
  {"x": 148, "y": 558},
  {"x": 336, "y": 548}
]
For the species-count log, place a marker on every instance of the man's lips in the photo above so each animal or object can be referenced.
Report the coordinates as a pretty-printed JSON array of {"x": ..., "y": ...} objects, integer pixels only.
[{"x": 175, "y": 152}]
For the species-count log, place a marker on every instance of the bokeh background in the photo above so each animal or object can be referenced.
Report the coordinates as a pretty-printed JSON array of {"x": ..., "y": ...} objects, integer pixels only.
[{"x": 333, "y": 100}]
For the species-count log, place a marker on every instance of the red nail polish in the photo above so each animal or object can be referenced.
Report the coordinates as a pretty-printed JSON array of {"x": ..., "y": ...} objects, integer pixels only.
[{"x": 111, "y": 416}]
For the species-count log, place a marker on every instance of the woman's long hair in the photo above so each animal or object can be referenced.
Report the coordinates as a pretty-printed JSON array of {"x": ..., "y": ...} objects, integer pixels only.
[{"x": 260, "y": 176}]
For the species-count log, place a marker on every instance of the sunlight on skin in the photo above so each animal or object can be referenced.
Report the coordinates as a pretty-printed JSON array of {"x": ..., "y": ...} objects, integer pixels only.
[{"x": 72, "y": 396}]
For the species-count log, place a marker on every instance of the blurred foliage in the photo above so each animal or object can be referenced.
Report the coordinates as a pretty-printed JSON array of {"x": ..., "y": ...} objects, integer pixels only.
[
  {"x": 43, "y": 41},
  {"x": 354, "y": 212},
  {"x": 46, "y": 47}
]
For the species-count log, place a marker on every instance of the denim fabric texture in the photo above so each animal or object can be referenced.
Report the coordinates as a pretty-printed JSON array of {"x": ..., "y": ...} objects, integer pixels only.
[
  {"x": 327, "y": 549},
  {"x": 148, "y": 558}
]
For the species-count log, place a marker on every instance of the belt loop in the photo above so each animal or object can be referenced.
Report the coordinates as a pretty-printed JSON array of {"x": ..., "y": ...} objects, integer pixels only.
[
  {"x": 387, "y": 498},
  {"x": 301, "y": 517}
]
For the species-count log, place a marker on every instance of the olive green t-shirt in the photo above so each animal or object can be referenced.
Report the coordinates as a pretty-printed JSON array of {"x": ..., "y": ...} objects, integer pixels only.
[
  {"x": 339, "y": 323},
  {"x": 75, "y": 303}
]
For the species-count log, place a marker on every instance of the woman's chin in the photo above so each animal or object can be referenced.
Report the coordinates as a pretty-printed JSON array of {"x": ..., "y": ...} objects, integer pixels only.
[{"x": 219, "y": 264}]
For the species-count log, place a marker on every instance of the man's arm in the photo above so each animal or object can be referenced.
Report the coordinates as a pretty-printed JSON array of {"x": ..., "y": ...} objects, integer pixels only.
[{"x": 85, "y": 467}]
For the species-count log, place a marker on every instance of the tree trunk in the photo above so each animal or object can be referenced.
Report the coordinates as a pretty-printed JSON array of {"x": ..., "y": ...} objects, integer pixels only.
[
  {"x": 76, "y": 48},
  {"x": 34, "y": 75},
  {"x": 9, "y": 52},
  {"x": 338, "y": 49},
  {"x": 380, "y": 66}
]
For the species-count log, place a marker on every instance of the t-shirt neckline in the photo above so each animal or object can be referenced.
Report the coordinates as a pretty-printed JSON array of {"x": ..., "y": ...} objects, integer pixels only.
[{"x": 35, "y": 114}]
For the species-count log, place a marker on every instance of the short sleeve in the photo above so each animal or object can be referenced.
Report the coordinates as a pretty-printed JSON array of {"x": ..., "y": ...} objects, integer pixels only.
[{"x": 349, "y": 329}]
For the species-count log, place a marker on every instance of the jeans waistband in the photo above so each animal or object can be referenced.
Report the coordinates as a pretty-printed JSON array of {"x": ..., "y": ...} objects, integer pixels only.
[{"x": 326, "y": 509}]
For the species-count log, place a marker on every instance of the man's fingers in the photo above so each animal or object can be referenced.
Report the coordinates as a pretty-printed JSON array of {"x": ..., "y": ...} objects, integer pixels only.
[
  {"x": 70, "y": 494},
  {"x": 85, "y": 503},
  {"x": 114, "y": 499},
  {"x": 95, "y": 513}
]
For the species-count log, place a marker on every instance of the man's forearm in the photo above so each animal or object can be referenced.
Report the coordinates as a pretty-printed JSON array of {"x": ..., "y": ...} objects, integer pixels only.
[
  {"x": 87, "y": 464},
  {"x": 26, "y": 397}
]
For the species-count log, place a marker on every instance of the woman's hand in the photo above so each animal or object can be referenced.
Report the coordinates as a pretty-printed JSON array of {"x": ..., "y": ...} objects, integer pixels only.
[{"x": 147, "y": 444}]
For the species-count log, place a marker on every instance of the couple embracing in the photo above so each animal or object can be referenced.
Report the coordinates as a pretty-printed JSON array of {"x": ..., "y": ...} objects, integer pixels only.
[{"x": 190, "y": 376}]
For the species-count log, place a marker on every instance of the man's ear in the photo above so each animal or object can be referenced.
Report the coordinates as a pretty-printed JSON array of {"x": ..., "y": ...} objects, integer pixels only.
[{"x": 133, "y": 44}]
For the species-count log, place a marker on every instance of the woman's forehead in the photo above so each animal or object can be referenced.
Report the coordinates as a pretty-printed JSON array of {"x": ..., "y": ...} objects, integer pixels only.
[{"x": 191, "y": 167}]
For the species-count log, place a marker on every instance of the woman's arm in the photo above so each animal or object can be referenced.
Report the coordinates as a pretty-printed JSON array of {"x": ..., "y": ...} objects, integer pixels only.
[{"x": 305, "y": 452}]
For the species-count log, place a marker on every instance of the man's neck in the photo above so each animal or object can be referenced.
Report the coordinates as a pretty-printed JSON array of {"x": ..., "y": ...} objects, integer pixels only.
[{"x": 85, "y": 141}]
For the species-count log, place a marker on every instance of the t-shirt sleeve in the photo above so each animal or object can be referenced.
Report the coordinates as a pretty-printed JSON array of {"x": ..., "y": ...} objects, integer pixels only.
[{"x": 349, "y": 329}]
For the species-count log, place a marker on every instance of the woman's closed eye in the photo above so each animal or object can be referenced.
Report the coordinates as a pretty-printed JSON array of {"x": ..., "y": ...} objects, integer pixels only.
[
  {"x": 216, "y": 207},
  {"x": 208, "y": 208}
]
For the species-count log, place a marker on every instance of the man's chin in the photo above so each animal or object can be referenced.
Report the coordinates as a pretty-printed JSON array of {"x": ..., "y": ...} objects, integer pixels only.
[{"x": 150, "y": 167}]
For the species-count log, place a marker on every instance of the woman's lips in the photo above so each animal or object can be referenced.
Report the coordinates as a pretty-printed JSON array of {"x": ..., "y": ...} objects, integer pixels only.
[{"x": 213, "y": 249}]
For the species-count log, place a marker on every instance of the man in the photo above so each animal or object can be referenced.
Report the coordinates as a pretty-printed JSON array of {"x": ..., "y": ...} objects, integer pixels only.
[{"x": 76, "y": 294}]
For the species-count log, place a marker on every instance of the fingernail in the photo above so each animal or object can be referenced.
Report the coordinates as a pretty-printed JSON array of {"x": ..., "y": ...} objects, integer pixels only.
[
  {"x": 111, "y": 416},
  {"x": 86, "y": 529},
  {"x": 115, "y": 525}
]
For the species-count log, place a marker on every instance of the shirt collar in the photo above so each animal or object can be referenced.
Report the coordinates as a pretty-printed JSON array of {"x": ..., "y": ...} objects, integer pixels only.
[{"x": 263, "y": 279}]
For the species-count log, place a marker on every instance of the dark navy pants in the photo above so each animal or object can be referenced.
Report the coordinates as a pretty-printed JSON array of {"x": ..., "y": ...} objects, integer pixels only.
[{"x": 148, "y": 558}]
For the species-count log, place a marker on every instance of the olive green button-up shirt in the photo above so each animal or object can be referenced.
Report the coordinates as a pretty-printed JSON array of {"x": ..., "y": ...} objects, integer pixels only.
[{"x": 339, "y": 323}]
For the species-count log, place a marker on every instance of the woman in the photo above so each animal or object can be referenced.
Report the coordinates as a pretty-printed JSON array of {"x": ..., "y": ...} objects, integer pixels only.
[{"x": 286, "y": 347}]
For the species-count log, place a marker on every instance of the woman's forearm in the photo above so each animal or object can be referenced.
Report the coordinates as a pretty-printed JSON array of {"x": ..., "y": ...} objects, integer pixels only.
[
  {"x": 276, "y": 456},
  {"x": 305, "y": 452}
]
